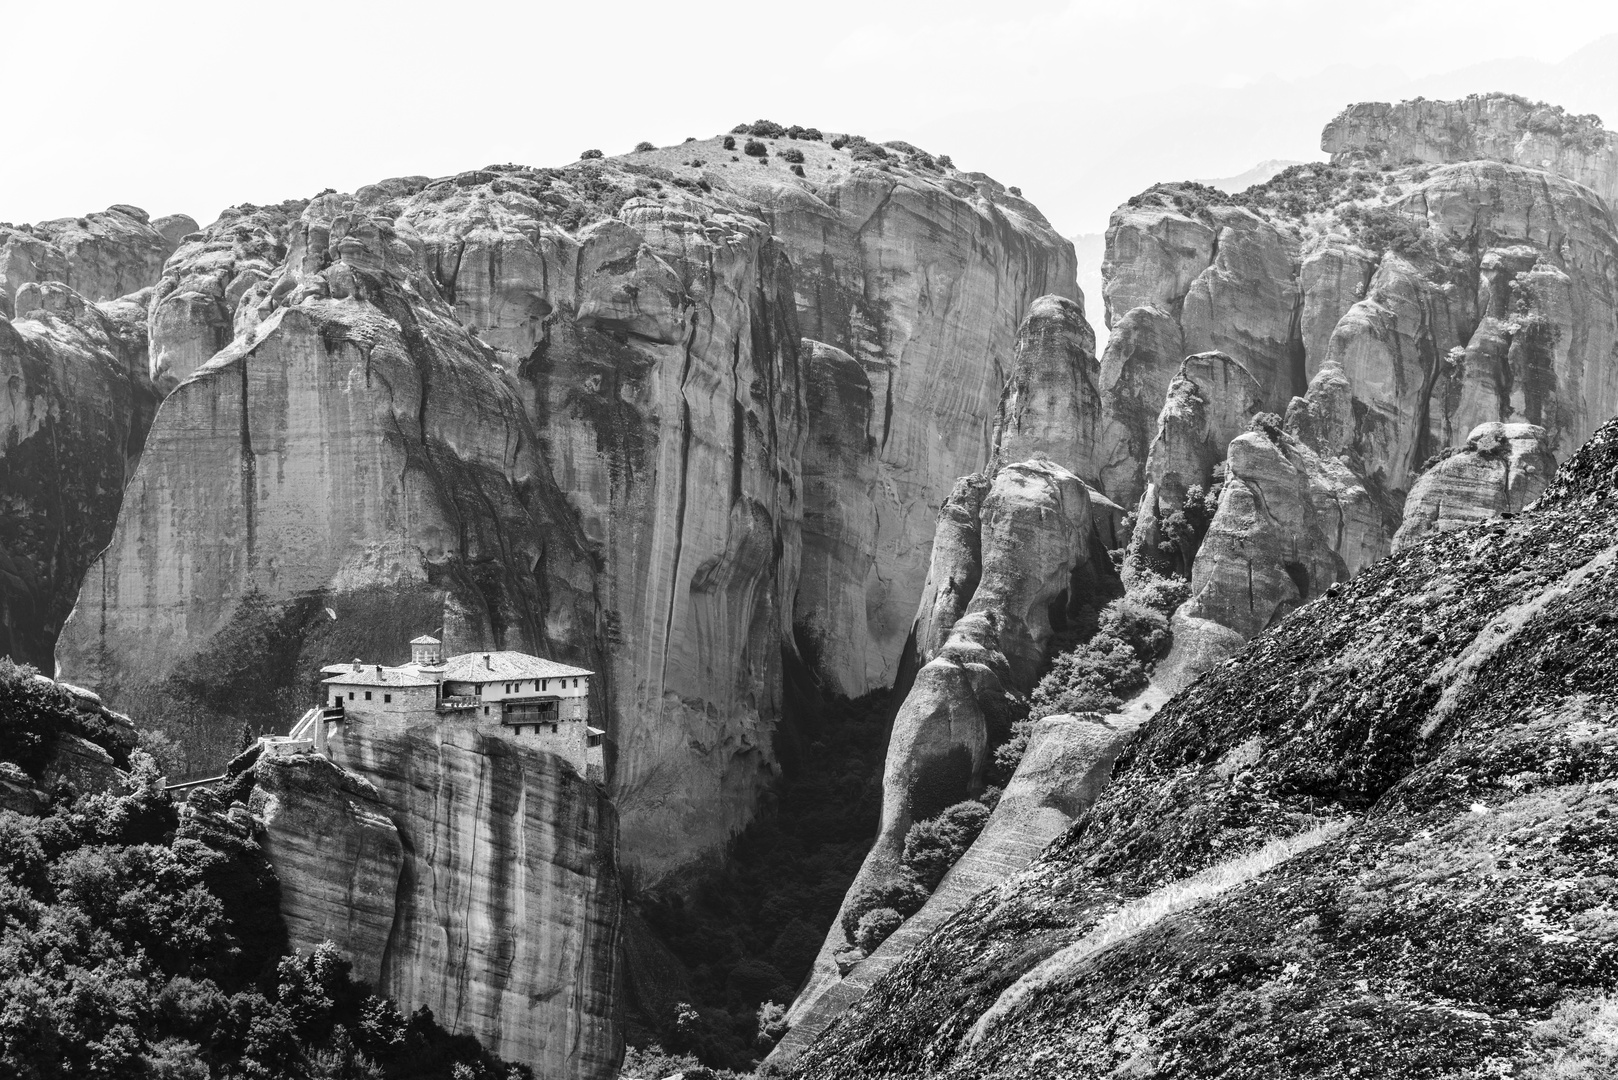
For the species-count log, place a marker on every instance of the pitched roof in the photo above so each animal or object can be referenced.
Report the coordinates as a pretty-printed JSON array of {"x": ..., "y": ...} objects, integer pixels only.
[
  {"x": 496, "y": 666},
  {"x": 425, "y": 639},
  {"x": 376, "y": 675}
]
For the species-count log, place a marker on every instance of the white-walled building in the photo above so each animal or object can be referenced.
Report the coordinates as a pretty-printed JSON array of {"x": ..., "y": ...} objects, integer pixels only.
[{"x": 510, "y": 694}]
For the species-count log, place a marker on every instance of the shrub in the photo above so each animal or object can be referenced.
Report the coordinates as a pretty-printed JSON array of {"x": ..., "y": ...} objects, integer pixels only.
[
  {"x": 945, "y": 162},
  {"x": 792, "y": 154},
  {"x": 741, "y": 129},
  {"x": 764, "y": 129},
  {"x": 689, "y": 138},
  {"x": 1017, "y": 191},
  {"x": 643, "y": 146},
  {"x": 902, "y": 895},
  {"x": 754, "y": 148},
  {"x": 772, "y": 1024},
  {"x": 875, "y": 926},
  {"x": 797, "y": 170},
  {"x": 839, "y": 141},
  {"x": 1142, "y": 628},
  {"x": 935, "y": 845},
  {"x": 796, "y": 132},
  {"x": 590, "y": 155},
  {"x": 730, "y": 142}
]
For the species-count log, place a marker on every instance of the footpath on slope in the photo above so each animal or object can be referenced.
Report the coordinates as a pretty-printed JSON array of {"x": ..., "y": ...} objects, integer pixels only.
[{"x": 1067, "y": 764}]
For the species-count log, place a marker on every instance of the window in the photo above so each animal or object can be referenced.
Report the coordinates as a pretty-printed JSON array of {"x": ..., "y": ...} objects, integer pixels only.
[
  {"x": 485, "y": 710},
  {"x": 337, "y": 698},
  {"x": 553, "y": 729},
  {"x": 351, "y": 695},
  {"x": 387, "y": 699},
  {"x": 367, "y": 695}
]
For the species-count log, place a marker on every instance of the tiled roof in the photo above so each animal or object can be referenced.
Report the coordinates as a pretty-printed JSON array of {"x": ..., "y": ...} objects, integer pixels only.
[
  {"x": 497, "y": 666},
  {"x": 376, "y": 675},
  {"x": 425, "y": 639}
]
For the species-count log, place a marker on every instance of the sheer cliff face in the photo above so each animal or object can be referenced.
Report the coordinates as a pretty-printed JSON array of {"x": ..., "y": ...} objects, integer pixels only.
[
  {"x": 76, "y": 409},
  {"x": 921, "y": 275},
  {"x": 463, "y": 872},
  {"x": 1339, "y": 848},
  {"x": 657, "y": 357},
  {"x": 1497, "y": 127},
  {"x": 78, "y": 403},
  {"x": 565, "y": 410},
  {"x": 1018, "y": 548},
  {"x": 352, "y": 465}
]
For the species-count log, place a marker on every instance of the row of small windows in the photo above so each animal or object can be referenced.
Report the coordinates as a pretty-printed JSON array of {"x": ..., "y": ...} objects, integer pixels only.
[
  {"x": 539, "y": 684},
  {"x": 337, "y": 698}
]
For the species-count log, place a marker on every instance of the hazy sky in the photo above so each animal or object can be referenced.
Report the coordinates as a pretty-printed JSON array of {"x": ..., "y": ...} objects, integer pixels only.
[{"x": 189, "y": 107}]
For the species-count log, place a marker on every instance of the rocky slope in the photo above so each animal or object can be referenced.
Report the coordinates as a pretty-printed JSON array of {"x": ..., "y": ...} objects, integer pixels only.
[
  {"x": 569, "y": 411},
  {"x": 1020, "y": 551},
  {"x": 1380, "y": 837},
  {"x": 463, "y": 872}
]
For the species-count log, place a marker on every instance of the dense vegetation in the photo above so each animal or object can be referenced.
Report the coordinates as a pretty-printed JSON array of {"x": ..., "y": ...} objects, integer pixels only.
[
  {"x": 750, "y": 931},
  {"x": 143, "y": 938}
]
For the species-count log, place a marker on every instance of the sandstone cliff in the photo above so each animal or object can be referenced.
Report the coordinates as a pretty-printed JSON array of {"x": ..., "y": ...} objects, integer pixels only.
[
  {"x": 1019, "y": 550},
  {"x": 564, "y": 410},
  {"x": 352, "y": 464},
  {"x": 1397, "y": 305},
  {"x": 1335, "y": 853},
  {"x": 463, "y": 872},
  {"x": 76, "y": 410},
  {"x": 1501, "y": 470},
  {"x": 1497, "y": 127},
  {"x": 101, "y": 256}
]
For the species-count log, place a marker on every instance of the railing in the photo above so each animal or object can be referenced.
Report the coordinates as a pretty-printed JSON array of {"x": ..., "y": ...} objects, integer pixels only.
[
  {"x": 459, "y": 701},
  {"x": 184, "y": 785}
]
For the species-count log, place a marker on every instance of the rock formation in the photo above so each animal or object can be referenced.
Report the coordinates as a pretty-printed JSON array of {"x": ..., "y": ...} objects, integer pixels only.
[
  {"x": 1496, "y": 127},
  {"x": 1334, "y": 852},
  {"x": 101, "y": 256},
  {"x": 463, "y": 872},
  {"x": 564, "y": 410},
  {"x": 77, "y": 407},
  {"x": 1019, "y": 549},
  {"x": 1416, "y": 303},
  {"x": 1501, "y": 470},
  {"x": 351, "y": 465}
]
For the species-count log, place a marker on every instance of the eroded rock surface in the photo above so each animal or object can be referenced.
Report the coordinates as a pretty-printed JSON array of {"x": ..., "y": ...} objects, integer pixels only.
[
  {"x": 1501, "y": 470},
  {"x": 1302, "y": 854},
  {"x": 77, "y": 406},
  {"x": 101, "y": 256},
  {"x": 1497, "y": 127},
  {"x": 463, "y": 872}
]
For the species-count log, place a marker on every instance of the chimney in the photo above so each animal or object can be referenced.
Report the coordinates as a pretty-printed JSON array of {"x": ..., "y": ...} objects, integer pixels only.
[
  {"x": 358, "y": 667},
  {"x": 487, "y": 662}
]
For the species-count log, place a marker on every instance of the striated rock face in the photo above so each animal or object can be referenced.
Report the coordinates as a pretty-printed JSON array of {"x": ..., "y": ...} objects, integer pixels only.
[
  {"x": 564, "y": 410},
  {"x": 833, "y": 622},
  {"x": 1050, "y": 405},
  {"x": 77, "y": 405},
  {"x": 464, "y": 872},
  {"x": 336, "y": 852},
  {"x": 107, "y": 254},
  {"x": 656, "y": 355},
  {"x": 922, "y": 274},
  {"x": 1495, "y": 127},
  {"x": 213, "y": 287},
  {"x": 353, "y": 465},
  {"x": 1317, "y": 860},
  {"x": 1501, "y": 470}
]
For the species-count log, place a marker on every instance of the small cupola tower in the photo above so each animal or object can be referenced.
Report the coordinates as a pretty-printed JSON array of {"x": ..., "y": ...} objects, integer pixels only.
[{"x": 427, "y": 651}]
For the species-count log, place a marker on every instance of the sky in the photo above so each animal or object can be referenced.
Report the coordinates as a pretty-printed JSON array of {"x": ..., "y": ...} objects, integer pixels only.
[{"x": 183, "y": 107}]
